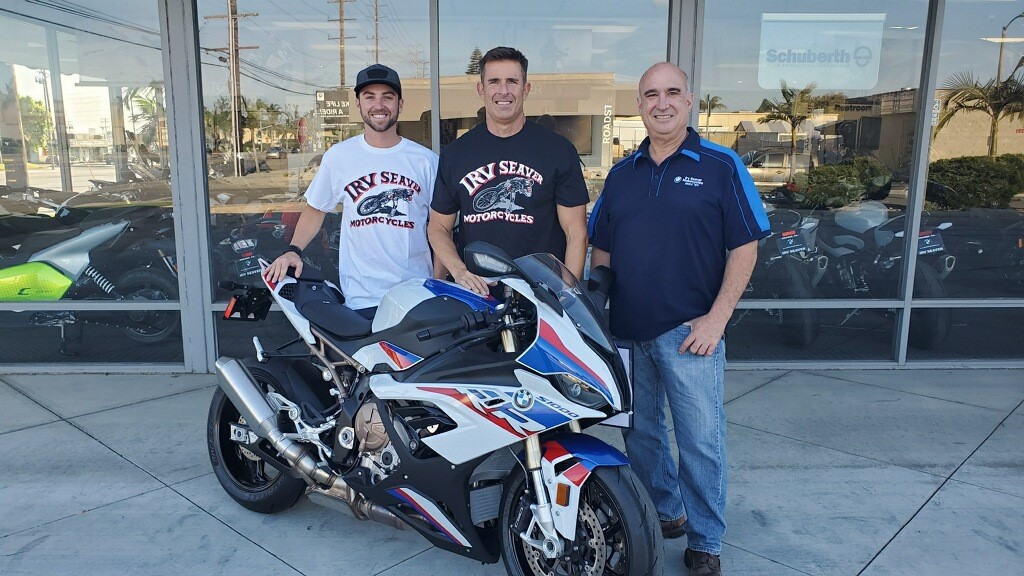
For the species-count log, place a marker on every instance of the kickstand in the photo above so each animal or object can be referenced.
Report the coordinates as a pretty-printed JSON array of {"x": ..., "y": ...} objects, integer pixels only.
[{"x": 70, "y": 335}]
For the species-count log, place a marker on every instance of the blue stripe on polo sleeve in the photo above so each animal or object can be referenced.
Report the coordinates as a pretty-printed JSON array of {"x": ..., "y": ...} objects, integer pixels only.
[
  {"x": 592, "y": 223},
  {"x": 746, "y": 182}
]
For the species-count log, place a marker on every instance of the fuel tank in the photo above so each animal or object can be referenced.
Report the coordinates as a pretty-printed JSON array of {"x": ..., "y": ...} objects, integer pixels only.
[{"x": 862, "y": 216}]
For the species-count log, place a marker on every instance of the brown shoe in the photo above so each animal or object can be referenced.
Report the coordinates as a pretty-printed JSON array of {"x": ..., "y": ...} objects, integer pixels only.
[
  {"x": 702, "y": 563},
  {"x": 671, "y": 529}
]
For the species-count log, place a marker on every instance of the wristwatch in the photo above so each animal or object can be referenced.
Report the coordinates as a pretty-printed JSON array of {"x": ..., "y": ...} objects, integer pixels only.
[{"x": 294, "y": 248}]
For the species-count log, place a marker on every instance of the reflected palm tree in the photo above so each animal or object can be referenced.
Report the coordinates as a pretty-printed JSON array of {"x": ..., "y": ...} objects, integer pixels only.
[
  {"x": 793, "y": 108},
  {"x": 709, "y": 104},
  {"x": 995, "y": 99}
]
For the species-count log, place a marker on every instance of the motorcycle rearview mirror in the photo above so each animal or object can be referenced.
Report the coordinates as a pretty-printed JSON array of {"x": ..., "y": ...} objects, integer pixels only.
[{"x": 484, "y": 257}]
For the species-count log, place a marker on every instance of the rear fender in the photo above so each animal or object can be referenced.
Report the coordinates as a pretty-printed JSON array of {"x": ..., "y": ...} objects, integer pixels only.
[{"x": 568, "y": 459}]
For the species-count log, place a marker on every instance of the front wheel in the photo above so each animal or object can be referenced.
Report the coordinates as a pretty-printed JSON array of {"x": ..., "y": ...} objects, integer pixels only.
[
  {"x": 617, "y": 529},
  {"x": 369, "y": 206},
  {"x": 245, "y": 476}
]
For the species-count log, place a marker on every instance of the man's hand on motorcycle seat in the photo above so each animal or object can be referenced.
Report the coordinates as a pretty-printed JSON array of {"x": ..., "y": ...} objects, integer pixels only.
[
  {"x": 278, "y": 269},
  {"x": 471, "y": 281}
]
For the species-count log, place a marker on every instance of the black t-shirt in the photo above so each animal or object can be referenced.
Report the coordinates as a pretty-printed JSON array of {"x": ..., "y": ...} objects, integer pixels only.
[{"x": 506, "y": 189}]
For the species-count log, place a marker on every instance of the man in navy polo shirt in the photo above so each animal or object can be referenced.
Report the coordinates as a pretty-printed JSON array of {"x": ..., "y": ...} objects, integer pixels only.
[{"x": 678, "y": 221}]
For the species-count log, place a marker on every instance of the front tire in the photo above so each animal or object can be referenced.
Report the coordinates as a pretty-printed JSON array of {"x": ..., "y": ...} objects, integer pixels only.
[
  {"x": 369, "y": 206},
  {"x": 615, "y": 512},
  {"x": 487, "y": 199},
  {"x": 244, "y": 476}
]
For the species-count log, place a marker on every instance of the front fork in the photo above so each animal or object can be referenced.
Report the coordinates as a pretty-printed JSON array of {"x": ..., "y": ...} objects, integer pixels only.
[{"x": 550, "y": 544}]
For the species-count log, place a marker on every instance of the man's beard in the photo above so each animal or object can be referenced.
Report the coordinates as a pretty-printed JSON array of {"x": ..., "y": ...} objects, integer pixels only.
[{"x": 369, "y": 122}]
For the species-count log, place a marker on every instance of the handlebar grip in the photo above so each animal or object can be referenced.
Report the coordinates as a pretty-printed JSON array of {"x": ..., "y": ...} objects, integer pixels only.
[{"x": 231, "y": 286}]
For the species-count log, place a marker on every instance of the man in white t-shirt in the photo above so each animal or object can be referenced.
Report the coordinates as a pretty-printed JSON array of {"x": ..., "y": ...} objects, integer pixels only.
[{"x": 384, "y": 184}]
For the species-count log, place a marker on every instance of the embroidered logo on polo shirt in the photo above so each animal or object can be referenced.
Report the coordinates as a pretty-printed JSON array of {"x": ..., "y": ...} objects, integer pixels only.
[{"x": 688, "y": 180}]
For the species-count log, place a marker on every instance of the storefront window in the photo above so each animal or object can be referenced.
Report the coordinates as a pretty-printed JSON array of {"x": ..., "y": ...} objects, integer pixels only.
[
  {"x": 585, "y": 63},
  {"x": 85, "y": 201},
  {"x": 974, "y": 207},
  {"x": 287, "y": 83}
]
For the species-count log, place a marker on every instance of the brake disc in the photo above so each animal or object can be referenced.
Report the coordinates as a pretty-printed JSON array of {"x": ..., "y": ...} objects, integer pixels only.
[{"x": 592, "y": 551}]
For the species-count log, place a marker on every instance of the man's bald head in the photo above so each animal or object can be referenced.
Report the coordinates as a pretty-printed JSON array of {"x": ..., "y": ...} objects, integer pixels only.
[{"x": 668, "y": 67}]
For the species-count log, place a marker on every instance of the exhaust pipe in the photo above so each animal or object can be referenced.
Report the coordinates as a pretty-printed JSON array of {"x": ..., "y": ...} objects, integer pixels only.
[
  {"x": 341, "y": 496},
  {"x": 238, "y": 384}
]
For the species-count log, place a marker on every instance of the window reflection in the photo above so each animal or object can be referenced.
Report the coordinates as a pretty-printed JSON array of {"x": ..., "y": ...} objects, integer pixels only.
[
  {"x": 585, "y": 63},
  {"x": 976, "y": 166},
  {"x": 819, "y": 103},
  {"x": 770, "y": 335},
  {"x": 85, "y": 201},
  {"x": 277, "y": 81}
]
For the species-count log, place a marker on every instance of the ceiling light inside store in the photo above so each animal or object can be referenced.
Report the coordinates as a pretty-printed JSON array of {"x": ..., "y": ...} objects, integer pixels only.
[{"x": 1002, "y": 40}]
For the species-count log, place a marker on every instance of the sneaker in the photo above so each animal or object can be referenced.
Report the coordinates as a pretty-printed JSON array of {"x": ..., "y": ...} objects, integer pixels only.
[
  {"x": 673, "y": 528},
  {"x": 702, "y": 563}
]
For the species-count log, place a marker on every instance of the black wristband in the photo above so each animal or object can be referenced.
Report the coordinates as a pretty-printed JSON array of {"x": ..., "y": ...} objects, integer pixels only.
[{"x": 294, "y": 248}]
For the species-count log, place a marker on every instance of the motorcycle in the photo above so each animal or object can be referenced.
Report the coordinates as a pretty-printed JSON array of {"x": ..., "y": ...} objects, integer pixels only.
[
  {"x": 456, "y": 415},
  {"x": 789, "y": 267},
  {"x": 385, "y": 203},
  {"x": 864, "y": 246},
  {"x": 134, "y": 246}
]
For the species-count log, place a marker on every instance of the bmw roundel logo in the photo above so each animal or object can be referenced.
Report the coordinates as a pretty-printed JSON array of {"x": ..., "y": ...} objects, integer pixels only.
[
  {"x": 677, "y": 179},
  {"x": 523, "y": 399}
]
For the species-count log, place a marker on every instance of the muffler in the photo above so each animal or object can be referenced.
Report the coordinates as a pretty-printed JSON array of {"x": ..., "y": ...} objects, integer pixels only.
[{"x": 236, "y": 381}]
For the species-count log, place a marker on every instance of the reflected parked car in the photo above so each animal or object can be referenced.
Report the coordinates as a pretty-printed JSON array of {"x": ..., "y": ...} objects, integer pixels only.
[{"x": 276, "y": 152}]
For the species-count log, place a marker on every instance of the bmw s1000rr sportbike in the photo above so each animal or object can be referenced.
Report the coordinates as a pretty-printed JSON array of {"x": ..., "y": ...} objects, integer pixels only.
[{"x": 456, "y": 415}]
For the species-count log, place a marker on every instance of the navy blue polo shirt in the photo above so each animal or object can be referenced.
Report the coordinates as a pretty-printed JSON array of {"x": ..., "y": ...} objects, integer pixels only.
[{"x": 668, "y": 228}]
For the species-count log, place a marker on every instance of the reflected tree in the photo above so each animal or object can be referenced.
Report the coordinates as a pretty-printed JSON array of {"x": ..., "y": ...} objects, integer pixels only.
[
  {"x": 995, "y": 99},
  {"x": 36, "y": 121},
  {"x": 709, "y": 104},
  {"x": 795, "y": 106},
  {"x": 474, "y": 62}
]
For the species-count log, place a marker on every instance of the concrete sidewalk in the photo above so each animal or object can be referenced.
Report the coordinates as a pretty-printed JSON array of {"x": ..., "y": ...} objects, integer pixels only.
[{"x": 842, "y": 472}]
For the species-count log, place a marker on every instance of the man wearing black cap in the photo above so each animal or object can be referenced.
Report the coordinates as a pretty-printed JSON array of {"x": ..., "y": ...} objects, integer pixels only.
[
  {"x": 509, "y": 182},
  {"x": 384, "y": 184}
]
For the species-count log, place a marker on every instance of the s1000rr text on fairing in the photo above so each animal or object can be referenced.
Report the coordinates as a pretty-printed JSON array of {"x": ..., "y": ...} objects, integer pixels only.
[{"x": 453, "y": 414}]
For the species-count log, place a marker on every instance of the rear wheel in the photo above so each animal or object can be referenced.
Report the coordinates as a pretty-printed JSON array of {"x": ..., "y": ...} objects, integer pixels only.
[
  {"x": 799, "y": 326},
  {"x": 928, "y": 326},
  {"x": 245, "y": 476},
  {"x": 617, "y": 529},
  {"x": 148, "y": 326}
]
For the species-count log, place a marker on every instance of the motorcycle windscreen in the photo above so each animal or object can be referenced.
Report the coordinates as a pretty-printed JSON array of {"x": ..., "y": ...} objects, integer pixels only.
[{"x": 551, "y": 274}]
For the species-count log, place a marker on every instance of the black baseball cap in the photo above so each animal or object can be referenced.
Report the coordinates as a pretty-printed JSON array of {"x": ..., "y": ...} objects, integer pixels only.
[{"x": 378, "y": 74}]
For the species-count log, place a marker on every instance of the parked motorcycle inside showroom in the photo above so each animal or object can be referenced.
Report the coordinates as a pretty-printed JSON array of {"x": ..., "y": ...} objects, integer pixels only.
[
  {"x": 456, "y": 415},
  {"x": 788, "y": 268},
  {"x": 121, "y": 254},
  {"x": 864, "y": 246}
]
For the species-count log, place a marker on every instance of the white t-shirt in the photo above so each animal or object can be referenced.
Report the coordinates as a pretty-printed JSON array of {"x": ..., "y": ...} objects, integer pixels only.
[{"x": 385, "y": 197}]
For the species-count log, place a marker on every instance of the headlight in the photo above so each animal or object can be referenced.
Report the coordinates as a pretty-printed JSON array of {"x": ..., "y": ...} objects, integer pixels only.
[{"x": 579, "y": 391}]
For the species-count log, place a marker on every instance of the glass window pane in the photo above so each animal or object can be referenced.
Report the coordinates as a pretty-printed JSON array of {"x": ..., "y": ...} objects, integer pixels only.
[
  {"x": 585, "y": 61},
  {"x": 292, "y": 99},
  {"x": 805, "y": 334},
  {"x": 975, "y": 193},
  {"x": 107, "y": 337},
  {"x": 85, "y": 202},
  {"x": 957, "y": 333},
  {"x": 818, "y": 99}
]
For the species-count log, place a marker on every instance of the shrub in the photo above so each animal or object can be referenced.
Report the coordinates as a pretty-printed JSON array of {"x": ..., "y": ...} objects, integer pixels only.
[
  {"x": 836, "y": 185},
  {"x": 975, "y": 181}
]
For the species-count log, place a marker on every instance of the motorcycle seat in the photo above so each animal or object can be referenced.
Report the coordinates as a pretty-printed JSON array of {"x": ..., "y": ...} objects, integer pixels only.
[
  {"x": 39, "y": 241},
  {"x": 336, "y": 318}
]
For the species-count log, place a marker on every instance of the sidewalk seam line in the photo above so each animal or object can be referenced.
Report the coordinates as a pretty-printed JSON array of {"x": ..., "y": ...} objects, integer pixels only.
[
  {"x": 786, "y": 373},
  {"x": 772, "y": 560},
  {"x": 913, "y": 393},
  {"x": 943, "y": 484}
]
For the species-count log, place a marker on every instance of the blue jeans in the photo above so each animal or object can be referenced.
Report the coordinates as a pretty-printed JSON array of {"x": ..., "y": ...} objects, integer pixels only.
[{"x": 694, "y": 388}]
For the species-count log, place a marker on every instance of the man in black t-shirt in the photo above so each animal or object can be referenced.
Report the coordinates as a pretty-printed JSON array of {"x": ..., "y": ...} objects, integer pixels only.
[{"x": 511, "y": 183}]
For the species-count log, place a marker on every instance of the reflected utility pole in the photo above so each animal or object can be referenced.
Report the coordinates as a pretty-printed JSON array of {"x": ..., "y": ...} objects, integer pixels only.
[
  {"x": 234, "y": 84},
  {"x": 341, "y": 39}
]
